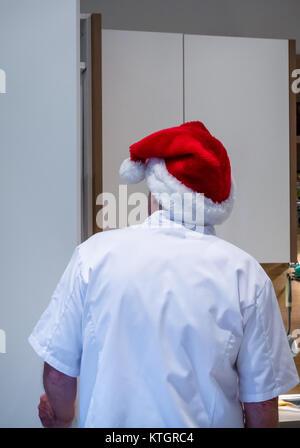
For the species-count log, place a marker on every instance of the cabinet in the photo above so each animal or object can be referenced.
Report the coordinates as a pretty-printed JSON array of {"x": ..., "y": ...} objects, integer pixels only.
[
  {"x": 239, "y": 88},
  {"x": 142, "y": 80}
]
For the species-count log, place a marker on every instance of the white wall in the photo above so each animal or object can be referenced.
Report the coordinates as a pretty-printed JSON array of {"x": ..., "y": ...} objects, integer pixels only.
[
  {"x": 247, "y": 18},
  {"x": 39, "y": 48}
]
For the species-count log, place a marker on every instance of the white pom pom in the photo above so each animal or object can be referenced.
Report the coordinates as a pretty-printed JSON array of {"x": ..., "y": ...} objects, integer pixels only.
[{"x": 132, "y": 172}]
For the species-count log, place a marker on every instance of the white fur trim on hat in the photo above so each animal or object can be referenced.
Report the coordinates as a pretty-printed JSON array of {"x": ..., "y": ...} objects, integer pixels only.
[
  {"x": 160, "y": 181},
  {"x": 132, "y": 172}
]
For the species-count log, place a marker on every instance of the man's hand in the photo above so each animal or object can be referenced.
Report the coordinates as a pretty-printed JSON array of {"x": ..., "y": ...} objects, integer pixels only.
[
  {"x": 263, "y": 414},
  {"x": 48, "y": 417},
  {"x": 57, "y": 406}
]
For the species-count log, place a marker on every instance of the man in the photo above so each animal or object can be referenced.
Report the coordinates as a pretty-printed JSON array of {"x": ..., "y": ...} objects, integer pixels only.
[{"x": 166, "y": 324}]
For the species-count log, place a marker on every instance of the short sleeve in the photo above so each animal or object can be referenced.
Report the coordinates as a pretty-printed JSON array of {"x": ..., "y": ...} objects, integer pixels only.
[
  {"x": 57, "y": 337},
  {"x": 265, "y": 364}
]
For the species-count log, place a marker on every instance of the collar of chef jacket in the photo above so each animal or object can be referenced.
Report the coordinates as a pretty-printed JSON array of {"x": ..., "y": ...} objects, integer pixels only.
[{"x": 162, "y": 219}]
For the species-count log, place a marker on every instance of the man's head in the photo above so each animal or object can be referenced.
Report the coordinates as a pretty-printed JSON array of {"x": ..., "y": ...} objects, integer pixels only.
[{"x": 184, "y": 167}]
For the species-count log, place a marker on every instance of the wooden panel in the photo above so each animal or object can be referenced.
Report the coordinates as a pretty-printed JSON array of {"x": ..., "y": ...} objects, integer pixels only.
[
  {"x": 86, "y": 128},
  {"x": 239, "y": 88},
  {"x": 293, "y": 155},
  {"x": 96, "y": 112},
  {"x": 298, "y": 66}
]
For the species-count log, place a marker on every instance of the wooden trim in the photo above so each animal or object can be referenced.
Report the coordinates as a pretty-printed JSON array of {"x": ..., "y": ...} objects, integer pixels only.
[
  {"x": 293, "y": 156},
  {"x": 96, "y": 63},
  {"x": 297, "y": 66}
]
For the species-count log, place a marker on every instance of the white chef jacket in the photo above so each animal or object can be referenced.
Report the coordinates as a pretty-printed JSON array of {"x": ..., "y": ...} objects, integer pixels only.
[{"x": 166, "y": 327}]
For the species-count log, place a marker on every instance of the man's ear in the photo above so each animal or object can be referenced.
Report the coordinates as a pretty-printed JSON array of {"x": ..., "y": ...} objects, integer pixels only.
[
  {"x": 153, "y": 204},
  {"x": 149, "y": 204}
]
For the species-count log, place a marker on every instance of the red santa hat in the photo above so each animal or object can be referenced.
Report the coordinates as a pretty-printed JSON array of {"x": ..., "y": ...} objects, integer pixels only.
[{"x": 184, "y": 159}]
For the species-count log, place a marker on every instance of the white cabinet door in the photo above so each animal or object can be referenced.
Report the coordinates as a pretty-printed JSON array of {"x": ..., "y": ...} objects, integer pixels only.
[
  {"x": 142, "y": 85},
  {"x": 239, "y": 88}
]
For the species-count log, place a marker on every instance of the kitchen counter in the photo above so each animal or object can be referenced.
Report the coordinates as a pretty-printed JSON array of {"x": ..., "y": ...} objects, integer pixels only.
[{"x": 289, "y": 416}]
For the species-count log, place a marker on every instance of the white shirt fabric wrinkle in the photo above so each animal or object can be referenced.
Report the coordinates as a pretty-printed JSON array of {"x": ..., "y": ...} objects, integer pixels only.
[{"x": 167, "y": 326}]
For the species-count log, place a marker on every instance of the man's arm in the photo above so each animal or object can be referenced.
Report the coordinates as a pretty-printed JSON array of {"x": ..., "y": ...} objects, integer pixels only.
[
  {"x": 56, "y": 408},
  {"x": 263, "y": 414}
]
